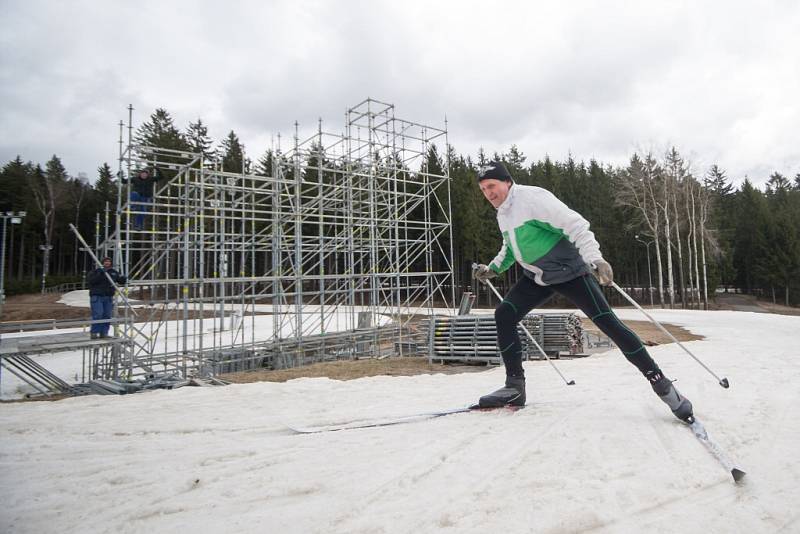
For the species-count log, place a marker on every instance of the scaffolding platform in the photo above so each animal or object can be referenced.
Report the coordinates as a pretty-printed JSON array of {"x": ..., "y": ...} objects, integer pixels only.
[
  {"x": 99, "y": 358},
  {"x": 44, "y": 344}
]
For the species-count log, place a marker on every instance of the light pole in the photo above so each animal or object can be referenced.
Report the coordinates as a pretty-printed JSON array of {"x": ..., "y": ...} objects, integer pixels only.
[
  {"x": 16, "y": 218},
  {"x": 45, "y": 263},
  {"x": 649, "y": 276}
]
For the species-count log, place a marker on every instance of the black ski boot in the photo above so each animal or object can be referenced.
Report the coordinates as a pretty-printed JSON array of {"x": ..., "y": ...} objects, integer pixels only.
[
  {"x": 513, "y": 394},
  {"x": 680, "y": 405}
]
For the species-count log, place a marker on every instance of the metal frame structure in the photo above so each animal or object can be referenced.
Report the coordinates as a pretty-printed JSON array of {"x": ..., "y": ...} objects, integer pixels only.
[{"x": 347, "y": 239}]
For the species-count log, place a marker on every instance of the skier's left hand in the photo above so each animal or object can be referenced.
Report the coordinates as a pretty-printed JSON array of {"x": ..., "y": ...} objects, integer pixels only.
[{"x": 604, "y": 272}]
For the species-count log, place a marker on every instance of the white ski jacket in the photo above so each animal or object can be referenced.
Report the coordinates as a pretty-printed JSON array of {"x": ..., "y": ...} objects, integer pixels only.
[{"x": 551, "y": 242}]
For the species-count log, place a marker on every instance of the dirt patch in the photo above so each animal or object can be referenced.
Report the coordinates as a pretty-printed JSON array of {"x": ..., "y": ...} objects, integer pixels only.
[
  {"x": 36, "y": 306},
  {"x": 409, "y": 366},
  {"x": 779, "y": 308},
  {"x": 740, "y": 302},
  {"x": 352, "y": 369},
  {"x": 649, "y": 333}
]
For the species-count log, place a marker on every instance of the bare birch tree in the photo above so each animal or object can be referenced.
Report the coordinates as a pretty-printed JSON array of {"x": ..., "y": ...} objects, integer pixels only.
[
  {"x": 688, "y": 196},
  {"x": 675, "y": 176},
  {"x": 695, "y": 188},
  {"x": 77, "y": 192},
  {"x": 43, "y": 186},
  {"x": 639, "y": 187},
  {"x": 705, "y": 199},
  {"x": 664, "y": 204}
]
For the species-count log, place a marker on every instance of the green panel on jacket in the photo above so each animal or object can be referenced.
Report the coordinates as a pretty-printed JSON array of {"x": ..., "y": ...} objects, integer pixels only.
[
  {"x": 535, "y": 239},
  {"x": 508, "y": 260}
]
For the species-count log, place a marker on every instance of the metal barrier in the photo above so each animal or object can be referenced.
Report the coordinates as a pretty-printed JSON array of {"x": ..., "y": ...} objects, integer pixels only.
[{"x": 65, "y": 288}]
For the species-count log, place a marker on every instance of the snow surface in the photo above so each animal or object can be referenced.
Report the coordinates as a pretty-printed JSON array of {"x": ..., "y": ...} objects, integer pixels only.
[{"x": 604, "y": 455}]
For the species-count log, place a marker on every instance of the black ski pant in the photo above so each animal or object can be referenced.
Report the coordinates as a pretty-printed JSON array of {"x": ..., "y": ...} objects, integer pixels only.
[{"x": 585, "y": 293}]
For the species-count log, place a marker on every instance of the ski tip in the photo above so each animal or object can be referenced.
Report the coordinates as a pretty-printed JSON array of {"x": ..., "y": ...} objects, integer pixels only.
[
  {"x": 506, "y": 407},
  {"x": 738, "y": 474},
  {"x": 293, "y": 430}
]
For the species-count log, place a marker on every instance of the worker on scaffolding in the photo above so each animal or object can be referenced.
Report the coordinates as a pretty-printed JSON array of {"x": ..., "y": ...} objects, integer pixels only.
[
  {"x": 142, "y": 194},
  {"x": 101, "y": 296},
  {"x": 558, "y": 254}
]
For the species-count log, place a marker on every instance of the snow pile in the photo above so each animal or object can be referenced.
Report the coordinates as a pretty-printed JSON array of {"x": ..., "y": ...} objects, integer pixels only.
[{"x": 604, "y": 455}]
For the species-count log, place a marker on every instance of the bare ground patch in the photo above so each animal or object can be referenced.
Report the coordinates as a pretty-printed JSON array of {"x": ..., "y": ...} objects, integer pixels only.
[
  {"x": 37, "y": 306},
  {"x": 352, "y": 369},
  {"x": 649, "y": 333},
  {"x": 409, "y": 366}
]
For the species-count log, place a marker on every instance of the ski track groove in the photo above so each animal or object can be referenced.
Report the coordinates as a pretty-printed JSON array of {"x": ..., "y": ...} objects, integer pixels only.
[
  {"x": 415, "y": 473},
  {"x": 489, "y": 471},
  {"x": 633, "y": 518},
  {"x": 526, "y": 448}
]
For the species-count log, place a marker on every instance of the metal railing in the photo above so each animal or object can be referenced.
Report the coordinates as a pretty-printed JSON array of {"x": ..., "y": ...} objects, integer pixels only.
[{"x": 65, "y": 288}]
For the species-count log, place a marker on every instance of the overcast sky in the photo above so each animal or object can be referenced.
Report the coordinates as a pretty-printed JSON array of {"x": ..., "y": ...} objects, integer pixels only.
[{"x": 719, "y": 80}]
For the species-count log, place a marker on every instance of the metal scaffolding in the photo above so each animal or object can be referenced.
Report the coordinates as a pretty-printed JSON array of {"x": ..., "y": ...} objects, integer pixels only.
[{"x": 329, "y": 257}]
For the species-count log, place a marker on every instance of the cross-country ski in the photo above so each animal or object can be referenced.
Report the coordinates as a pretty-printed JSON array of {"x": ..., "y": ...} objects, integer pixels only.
[{"x": 400, "y": 420}]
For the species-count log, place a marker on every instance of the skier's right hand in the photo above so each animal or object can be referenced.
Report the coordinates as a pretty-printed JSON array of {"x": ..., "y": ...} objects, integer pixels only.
[
  {"x": 604, "y": 272},
  {"x": 483, "y": 273}
]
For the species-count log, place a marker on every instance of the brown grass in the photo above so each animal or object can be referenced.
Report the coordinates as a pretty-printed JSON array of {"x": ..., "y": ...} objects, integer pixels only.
[{"x": 352, "y": 369}]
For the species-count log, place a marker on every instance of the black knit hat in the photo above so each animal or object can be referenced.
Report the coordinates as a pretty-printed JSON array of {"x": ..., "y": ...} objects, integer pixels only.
[{"x": 494, "y": 170}]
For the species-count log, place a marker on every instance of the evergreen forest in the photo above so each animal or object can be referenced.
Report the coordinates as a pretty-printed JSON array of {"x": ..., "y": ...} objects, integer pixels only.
[{"x": 659, "y": 220}]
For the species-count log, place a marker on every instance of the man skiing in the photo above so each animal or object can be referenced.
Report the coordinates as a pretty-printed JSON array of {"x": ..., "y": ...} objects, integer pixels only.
[
  {"x": 101, "y": 296},
  {"x": 558, "y": 254}
]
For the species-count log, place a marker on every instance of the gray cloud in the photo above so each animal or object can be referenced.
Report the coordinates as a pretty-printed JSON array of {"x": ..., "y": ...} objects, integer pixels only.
[{"x": 719, "y": 79}]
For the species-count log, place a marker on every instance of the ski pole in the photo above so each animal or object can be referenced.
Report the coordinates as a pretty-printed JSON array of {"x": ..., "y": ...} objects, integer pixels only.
[
  {"x": 722, "y": 381},
  {"x": 546, "y": 357}
]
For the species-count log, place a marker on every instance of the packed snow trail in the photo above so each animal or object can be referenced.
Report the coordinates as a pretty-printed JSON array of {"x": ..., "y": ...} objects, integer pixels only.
[{"x": 604, "y": 456}]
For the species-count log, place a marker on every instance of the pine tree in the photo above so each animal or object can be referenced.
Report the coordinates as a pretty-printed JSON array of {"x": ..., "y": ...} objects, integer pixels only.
[
  {"x": 233, "y": 157},
  {"x": 721, "y": 216},
  {"x": 198, "y": 140},
  {"x": 514, "y": 161},
  {"x": 105, "y": 187},
  {"x": 264, "y": 165},
  {"x": 751, "y": 237},
  {"x": 15, "y": 195},
  {"x": 778, "y": 184},
  {"x": 160, "y": 131},
  {"x": 716, "y": 182},
  {"x": 782, "y": 265},
  {"x": 14, "y": 190}
]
